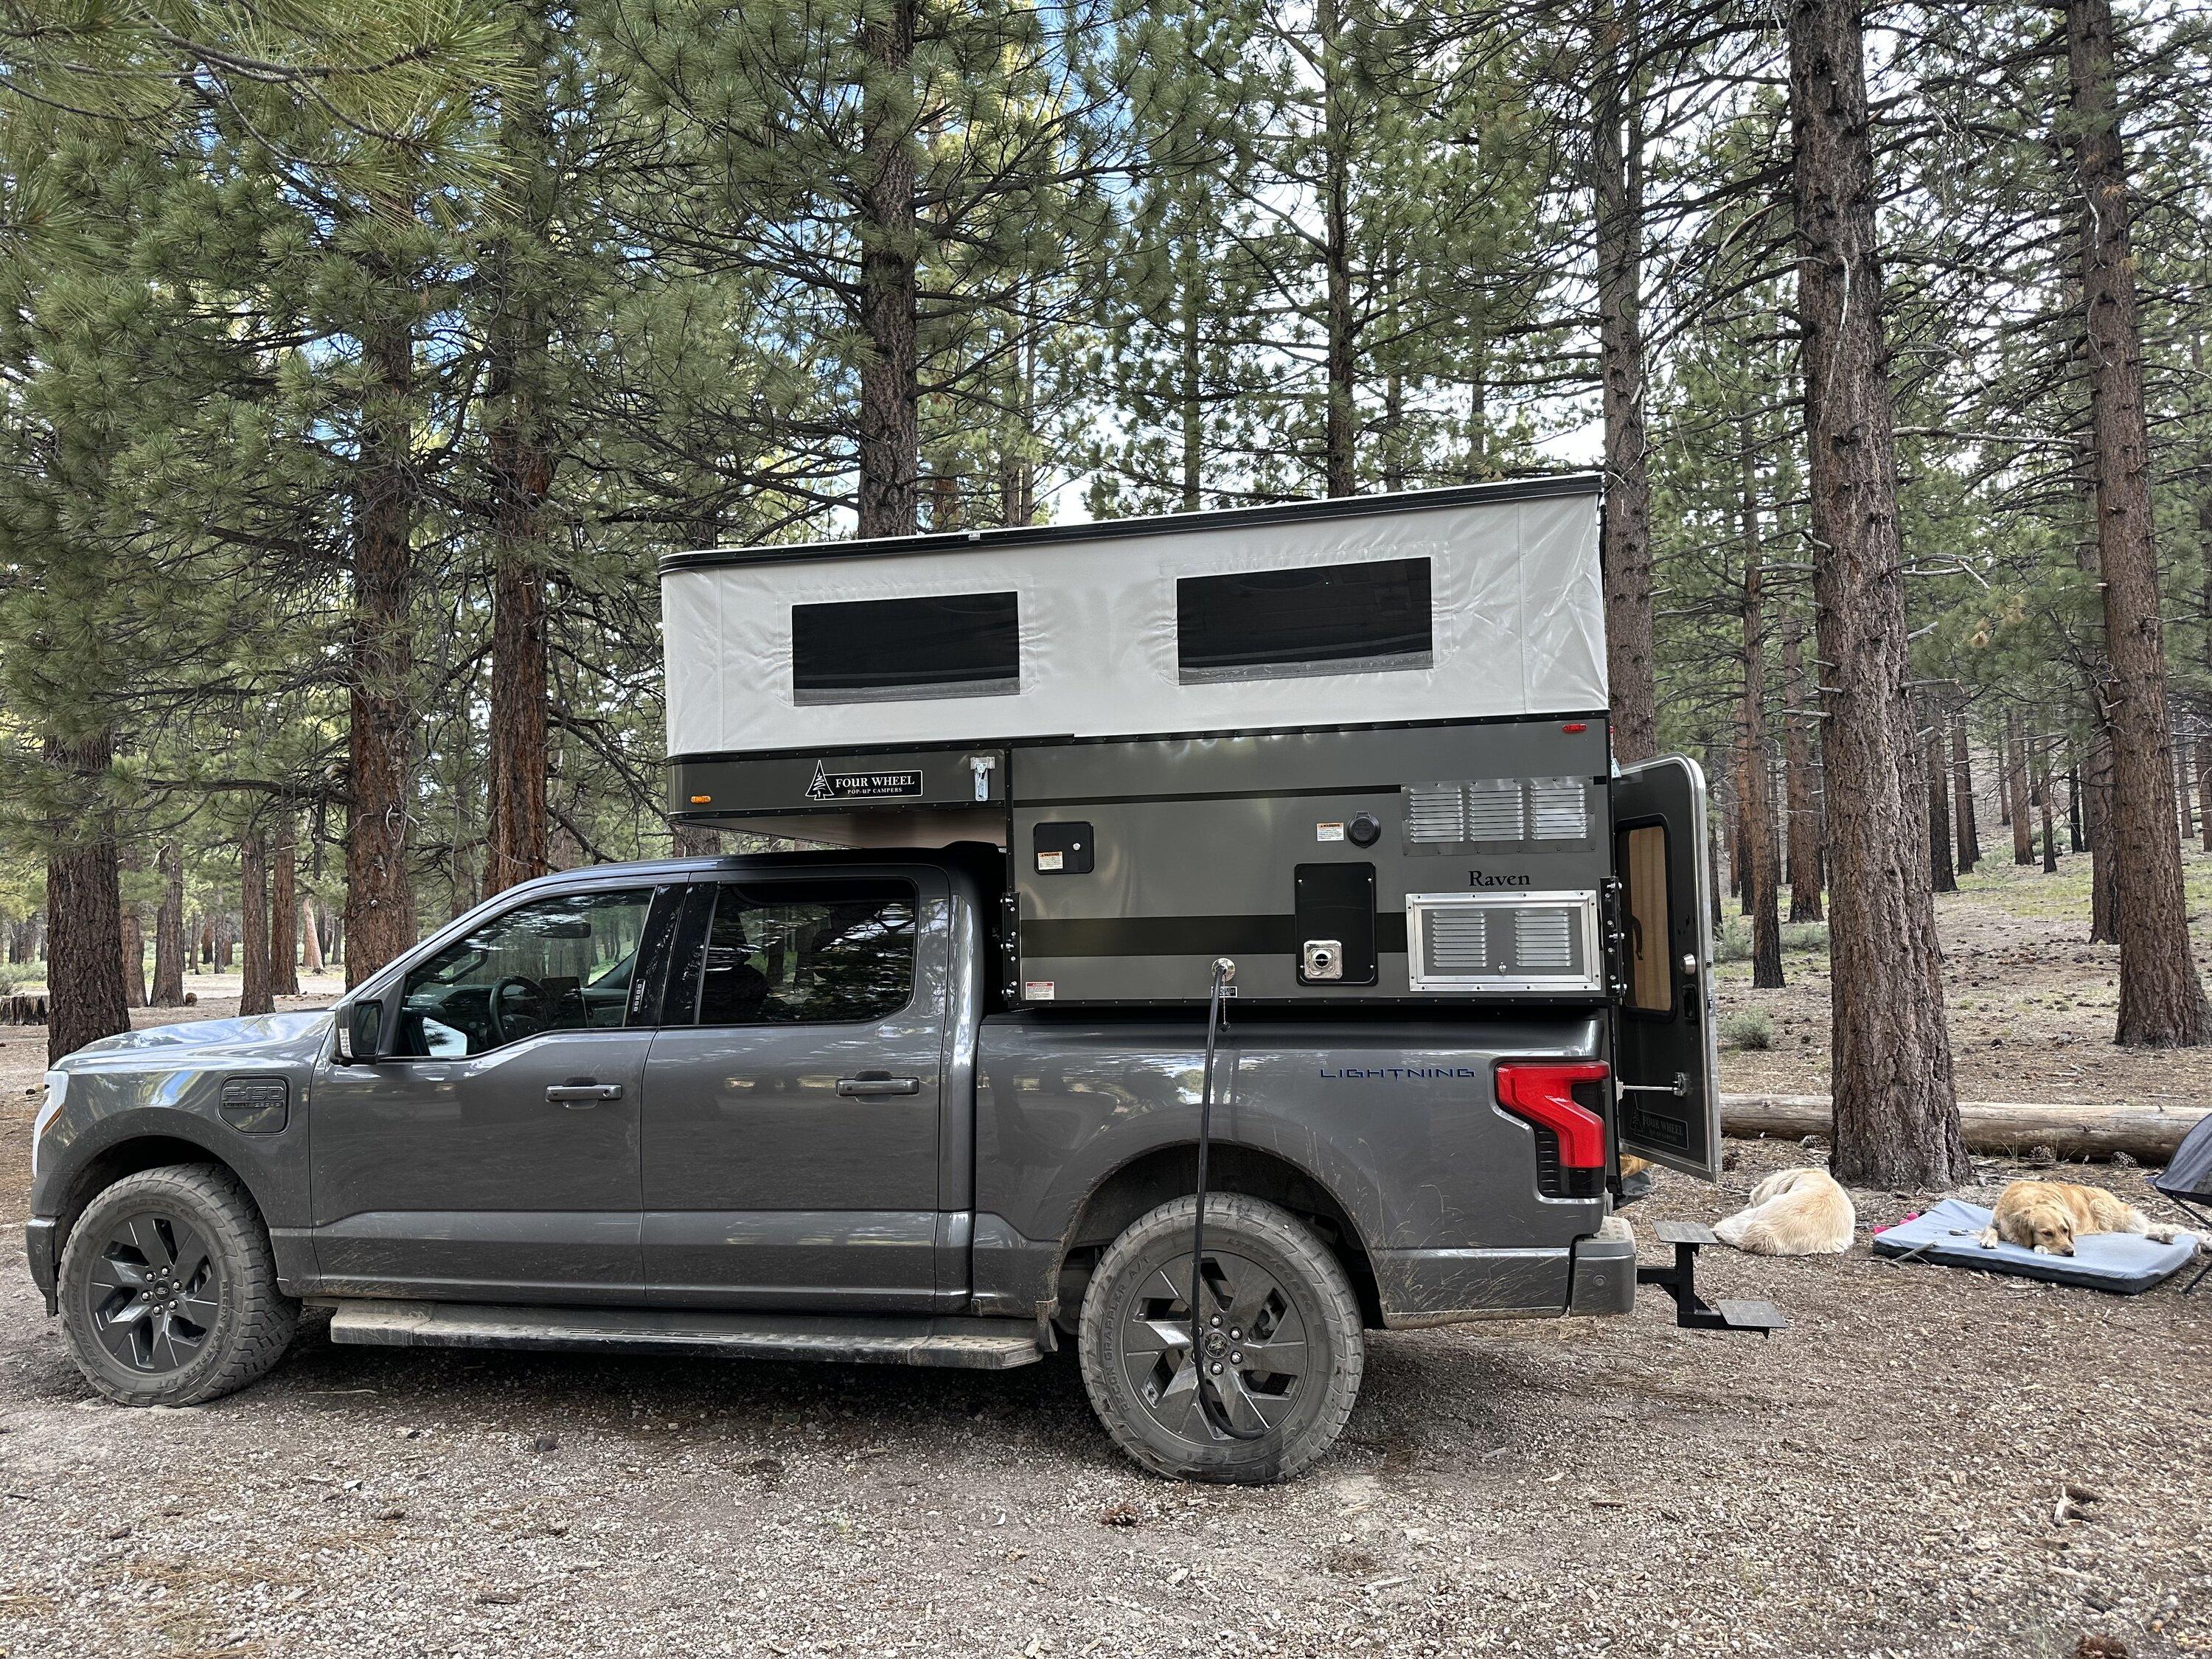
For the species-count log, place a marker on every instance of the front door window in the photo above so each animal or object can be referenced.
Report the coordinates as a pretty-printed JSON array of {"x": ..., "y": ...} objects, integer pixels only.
[{"x": 558, "y": 964}]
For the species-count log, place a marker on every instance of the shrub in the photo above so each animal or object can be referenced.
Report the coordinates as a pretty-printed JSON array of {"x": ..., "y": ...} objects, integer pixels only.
[
  {"x": 1734, "y": 942},
  {"x": 1805, "y": 936},
  {"x": 1747, "y": 1028}
]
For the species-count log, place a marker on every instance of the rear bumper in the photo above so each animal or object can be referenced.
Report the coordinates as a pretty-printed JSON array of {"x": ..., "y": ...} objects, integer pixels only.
[
  {"x": 38, "y": 1236},
  {"x": 1604, "y": 1278}
]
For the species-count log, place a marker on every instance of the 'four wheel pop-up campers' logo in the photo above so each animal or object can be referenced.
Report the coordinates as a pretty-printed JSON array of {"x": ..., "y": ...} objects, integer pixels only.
[{"x": 861, "y": 786}]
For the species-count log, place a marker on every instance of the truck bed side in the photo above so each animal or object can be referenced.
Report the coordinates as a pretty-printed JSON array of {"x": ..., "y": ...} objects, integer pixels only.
[{"x": 1388, "y": 1130}]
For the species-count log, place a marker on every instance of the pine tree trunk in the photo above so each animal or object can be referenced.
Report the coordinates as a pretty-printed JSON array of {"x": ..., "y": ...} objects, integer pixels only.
[
  {"x": 1340, "y": 428},
  {"x": 131, "y": 861},
  {"x": 2023, "y": 837},
  {"x": 1804, "y": 816},
  {"x": 693, "y": 842},
  {"x": 2204, "y": 553},
  {"x": 311, "y": 943},
  {"x": 890, "y": 387},
  {"x": 1896, "y": 1115},
  {"x": 379, "y": 888},
  {"x": 2077, "y": 836},
  {"x": 1942, "y": 877},
  {"x": 1630, "y": 662},
  {"x": 2049, "y": 834},
  {"x": 2186, "y": 817},
  {"x": 2104, "y": 863},
  {"x": 515, "y": 821},
  {"x": 520, "y": 456},
  {"x": 84, "y": 906},
  {"x": 169, "y": 930},
  {"x": 1762, "y": 878},
  {"x": 1191, "y": 384},
  {"x": 2162, "y": 1002},
  {"x": 284, "y": 907},
  {"x": 253, "y": 996},
  {"x": 1962, "y": 777}
]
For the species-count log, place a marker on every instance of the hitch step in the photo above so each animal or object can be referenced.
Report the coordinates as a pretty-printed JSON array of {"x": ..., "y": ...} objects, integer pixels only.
[
  {"x": 1761, "y": 1316},
  {"x": 1692, "y": 1311}
]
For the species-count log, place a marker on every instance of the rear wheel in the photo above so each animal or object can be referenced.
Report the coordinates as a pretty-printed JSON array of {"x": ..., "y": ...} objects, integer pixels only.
[
  {"x": 168, "y": 1288},
  {"x": 1280, "y": 1348}
]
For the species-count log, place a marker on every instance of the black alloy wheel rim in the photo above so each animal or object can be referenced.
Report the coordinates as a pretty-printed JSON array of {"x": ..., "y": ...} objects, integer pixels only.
[
  {"x": 1252, "y": 1346},
  {"x": 155, "y": 1292}
]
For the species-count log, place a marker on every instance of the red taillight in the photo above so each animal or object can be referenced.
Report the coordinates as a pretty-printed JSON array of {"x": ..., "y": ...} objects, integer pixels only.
[{"x": 1543, "y": 1092}]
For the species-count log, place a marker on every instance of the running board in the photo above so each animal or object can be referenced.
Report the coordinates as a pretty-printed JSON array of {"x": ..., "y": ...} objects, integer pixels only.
[
  {"x": 1692, "y": 1311},
  {"x": 977, "y": 1345}
]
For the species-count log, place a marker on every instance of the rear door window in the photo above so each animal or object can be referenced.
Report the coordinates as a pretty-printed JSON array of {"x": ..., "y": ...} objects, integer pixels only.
[{"x": 813, "y": 953}]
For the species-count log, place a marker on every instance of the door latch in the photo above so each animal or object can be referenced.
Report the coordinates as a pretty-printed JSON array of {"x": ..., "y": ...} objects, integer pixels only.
[{"x": 983, "y": 766}]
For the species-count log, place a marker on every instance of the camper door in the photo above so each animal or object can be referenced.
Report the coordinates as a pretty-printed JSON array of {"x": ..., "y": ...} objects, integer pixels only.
[{"x": 1663, "y": 1050}]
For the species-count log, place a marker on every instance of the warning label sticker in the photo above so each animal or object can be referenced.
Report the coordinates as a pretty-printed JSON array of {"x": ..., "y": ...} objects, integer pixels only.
[{"x": 1037, "y": 990}]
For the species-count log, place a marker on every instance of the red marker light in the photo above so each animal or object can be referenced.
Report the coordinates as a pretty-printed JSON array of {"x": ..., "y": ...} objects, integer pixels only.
[{"x": 1574, "y": 725}]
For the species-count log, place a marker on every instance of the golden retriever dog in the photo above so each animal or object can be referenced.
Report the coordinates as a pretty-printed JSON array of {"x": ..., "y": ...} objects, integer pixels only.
[
  {"x": 1793, "y": 1213},
  {"x": 2048, "y": 1216}
]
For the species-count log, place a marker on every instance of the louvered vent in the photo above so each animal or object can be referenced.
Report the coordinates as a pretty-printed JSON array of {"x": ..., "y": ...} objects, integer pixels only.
[
  {"x": 1459, "y": 942},
  {"x": 1543, "y": 941},
  {"x": 1436, "y": 812},
  {"x": 1494, "y": 811},
  {"x": 1558, "y": 810},
  {"x": 1497, "y": 811}
]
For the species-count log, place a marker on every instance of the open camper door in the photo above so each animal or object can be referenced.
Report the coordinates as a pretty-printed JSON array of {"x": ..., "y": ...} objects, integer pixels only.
[{"x": 1664, "y": 1053}]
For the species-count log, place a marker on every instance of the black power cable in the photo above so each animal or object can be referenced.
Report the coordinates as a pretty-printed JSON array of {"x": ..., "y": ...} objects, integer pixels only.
[{"x": 1217, "y": 1415}]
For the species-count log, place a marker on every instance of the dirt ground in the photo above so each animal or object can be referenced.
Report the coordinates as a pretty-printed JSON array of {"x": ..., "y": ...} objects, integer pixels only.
[
  {"x": 1876, "y": 1481},
  {"x": 2031, "y": 1002}
]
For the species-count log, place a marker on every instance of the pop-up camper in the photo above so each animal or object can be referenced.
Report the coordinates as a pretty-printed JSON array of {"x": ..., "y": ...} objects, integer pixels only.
[{"x": 1360, "y": 745}]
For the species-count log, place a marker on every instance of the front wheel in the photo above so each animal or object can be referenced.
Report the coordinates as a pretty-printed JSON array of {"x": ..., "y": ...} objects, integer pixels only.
[
  {"x": 168, "y": 1288},
  {"x": 1280, "y": 1343}
]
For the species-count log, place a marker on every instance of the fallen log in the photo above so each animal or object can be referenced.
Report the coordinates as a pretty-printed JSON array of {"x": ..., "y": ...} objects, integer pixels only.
[
  {"x": 21, "y": 1010},
  {"x": 2073, "y": 1130}
]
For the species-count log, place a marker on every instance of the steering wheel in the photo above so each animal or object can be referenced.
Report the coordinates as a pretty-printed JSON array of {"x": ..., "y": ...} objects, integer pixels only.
[{"x": 535, "y": 991}]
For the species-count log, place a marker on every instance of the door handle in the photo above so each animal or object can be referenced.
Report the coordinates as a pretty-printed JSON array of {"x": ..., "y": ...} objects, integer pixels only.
[
  {"x": 583, "y": 1092},
  {"x": 878, "y": 1083}
]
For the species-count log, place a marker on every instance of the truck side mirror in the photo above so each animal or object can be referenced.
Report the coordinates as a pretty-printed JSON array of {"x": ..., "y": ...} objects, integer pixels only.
[{"x": 361, "y": 1031}]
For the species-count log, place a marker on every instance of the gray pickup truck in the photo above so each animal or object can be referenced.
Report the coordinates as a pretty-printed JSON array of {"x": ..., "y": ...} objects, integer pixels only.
[{"x": 775, "y": 1106}]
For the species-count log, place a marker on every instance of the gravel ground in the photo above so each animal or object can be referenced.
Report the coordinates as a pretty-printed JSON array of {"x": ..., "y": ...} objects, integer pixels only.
[{"x": 1877, "y": 1480}]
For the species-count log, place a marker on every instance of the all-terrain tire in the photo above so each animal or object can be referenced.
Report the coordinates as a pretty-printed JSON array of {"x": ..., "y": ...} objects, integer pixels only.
[
  {"x": 226, "y": 1292},
  {"x": 1125, "y": 1310}
]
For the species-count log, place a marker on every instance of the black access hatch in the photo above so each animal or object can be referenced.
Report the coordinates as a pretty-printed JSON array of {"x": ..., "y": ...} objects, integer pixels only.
[{"x": 1335, "y": 924}]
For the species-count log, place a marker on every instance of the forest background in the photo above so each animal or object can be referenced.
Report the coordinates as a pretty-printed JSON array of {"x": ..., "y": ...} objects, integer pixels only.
[{"x": 361, "y": 361}]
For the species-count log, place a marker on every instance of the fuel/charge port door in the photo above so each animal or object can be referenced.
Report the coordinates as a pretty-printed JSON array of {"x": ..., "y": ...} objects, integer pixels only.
[{"x": 1664, "y": 1053}]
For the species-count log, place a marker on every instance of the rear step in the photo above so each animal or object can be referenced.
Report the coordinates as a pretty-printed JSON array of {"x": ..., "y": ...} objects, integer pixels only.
[
  {"x": 1692, "y": 1311},
  {"x": 977, "y": 1345}
]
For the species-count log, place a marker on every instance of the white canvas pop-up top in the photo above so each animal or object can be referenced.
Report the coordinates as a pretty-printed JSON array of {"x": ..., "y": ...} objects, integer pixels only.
[{"x": 1475, "y": 603}]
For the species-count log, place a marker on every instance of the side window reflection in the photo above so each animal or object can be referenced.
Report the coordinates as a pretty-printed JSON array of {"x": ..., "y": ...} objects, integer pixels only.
[{"x": 561, "y": 964}]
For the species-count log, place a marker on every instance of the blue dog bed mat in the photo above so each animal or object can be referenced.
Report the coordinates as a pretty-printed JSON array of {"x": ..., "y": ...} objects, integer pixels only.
[{"x": 2125, "y": 1263}]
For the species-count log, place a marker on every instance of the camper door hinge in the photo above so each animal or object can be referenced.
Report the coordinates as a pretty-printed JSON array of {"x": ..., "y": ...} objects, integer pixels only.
[{"x": 1616, "y": 937}]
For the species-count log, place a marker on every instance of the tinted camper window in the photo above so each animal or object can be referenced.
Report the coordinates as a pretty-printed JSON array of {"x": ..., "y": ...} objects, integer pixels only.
[
  {"x": 1325, "y": 619},
  {"x": 955, "y": 645}
]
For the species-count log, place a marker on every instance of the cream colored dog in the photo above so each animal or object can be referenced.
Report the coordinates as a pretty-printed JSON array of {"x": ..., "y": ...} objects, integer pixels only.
[
  {"x": 1793, "y": 1213},
  {"x": 2048, "y": 1216}
]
